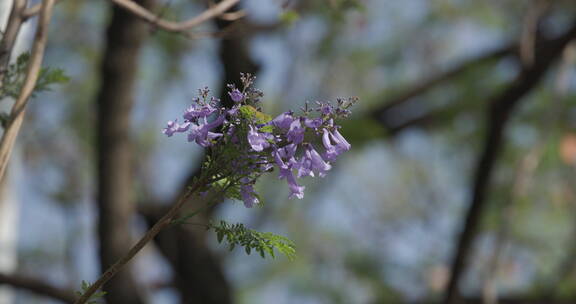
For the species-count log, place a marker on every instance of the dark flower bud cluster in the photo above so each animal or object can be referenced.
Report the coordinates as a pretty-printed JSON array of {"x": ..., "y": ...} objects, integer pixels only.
[{"x": 245, "y": 143}]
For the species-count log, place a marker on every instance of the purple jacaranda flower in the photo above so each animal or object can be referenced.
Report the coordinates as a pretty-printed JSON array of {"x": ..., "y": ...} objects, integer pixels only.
[
  {"x": 295, "y": 189},
  {"x": 284, "y": 158},
  {"x": 283, "y": 120},
  {"x": 325, "y": 108},
  {"x": 257, "y": 140},
  {"x": 295, "y": 132},
  {"x": 236, "y": 95},
  {"x": 318, "y": 164},
  {"x": 288, "y": 152},
  {"x": 304, "y": 167},
  {"x": 194, "y": 112},
  {"x": 340, "y": 141},
  {"x": 173, "y": 127},
  {"x": 279, "y": 161},
  {"x": 313, "y": 123},
  {"x": 285, "y": 142},
  {"x": 201, "y": 133},
  {"x": 248, "y": 195},
  {"x": 340, "y": 144},
  {"x": 311, "y": 162}
]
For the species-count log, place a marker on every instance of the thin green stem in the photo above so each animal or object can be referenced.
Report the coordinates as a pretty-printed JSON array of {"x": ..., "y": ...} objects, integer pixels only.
[
  {"x": 207, "y": 205},
  {"x": 159, "y": 226}
]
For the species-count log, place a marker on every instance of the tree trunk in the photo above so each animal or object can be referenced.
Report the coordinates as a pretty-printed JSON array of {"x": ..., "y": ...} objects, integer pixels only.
[{"x": 124, "y": 38}]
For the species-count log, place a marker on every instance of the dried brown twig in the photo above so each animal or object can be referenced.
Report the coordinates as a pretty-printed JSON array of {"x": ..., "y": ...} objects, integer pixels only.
[
  {"x": 19, "y": 107},
  {"x": 172, "y": 26}
]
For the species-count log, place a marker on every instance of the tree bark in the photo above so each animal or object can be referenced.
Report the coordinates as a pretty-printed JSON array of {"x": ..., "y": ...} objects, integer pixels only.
[{"x": 124, "y": 38}]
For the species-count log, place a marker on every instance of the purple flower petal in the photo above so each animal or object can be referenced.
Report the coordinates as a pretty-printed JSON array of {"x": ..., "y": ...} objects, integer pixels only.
[
  {"x": 313, "y": 123},
  {"x": 318, "y": 164},
  {"x": 283, "y": 120},
  {"x": 304, "y": 167},
  {"x": 332, "y": 151},
  {"x": 201, "y": 133},
  {"x": 258, "y": 141},
  {"x": 173, "y": 127},
  {"x": 295, "y": 189},
  {"x": 325, "y": 108},
  {"x": 248, "y": 195},
  {"x": 296, "y": 132},
  {"x": 340, "y": 141},
  {"x": 236, "y": 95},
  {"x": 194, "y": 112}
]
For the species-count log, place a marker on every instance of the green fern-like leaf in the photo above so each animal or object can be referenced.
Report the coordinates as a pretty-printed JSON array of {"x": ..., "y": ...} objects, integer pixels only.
[
  {"x": 252, "y": 240},
  {"x": 13, "y": 77}
]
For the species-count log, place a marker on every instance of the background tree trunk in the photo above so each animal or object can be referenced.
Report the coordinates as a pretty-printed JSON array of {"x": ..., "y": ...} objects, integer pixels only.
[{"x": 124, "y": 39}]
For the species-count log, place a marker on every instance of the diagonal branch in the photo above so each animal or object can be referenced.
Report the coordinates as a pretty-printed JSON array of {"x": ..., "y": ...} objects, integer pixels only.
[
  {"x": 172, "y": 26},
  {"x": 32, "y": 11},
  {"x": 10, "y": 34},
  {"x": 441, "y": 78},
  {"x": 386, "y": 114},
  {"x": 18, "y": 109},
  {"x": 162, "y": 223},
  {"x": 37, "y": 287},
  {"x": 500, "y": 110}
]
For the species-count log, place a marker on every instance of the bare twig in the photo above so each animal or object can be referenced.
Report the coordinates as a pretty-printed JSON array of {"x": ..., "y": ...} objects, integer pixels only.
[
  {"x": 426, "y": 85},
  {"x": 164, "y": 222},
  {"x": 9, "y": 35},
  {"x": 18, "y": 109},
  {"x": 171, "y": 26},
  {"x": 37, "y": 287},
  {"x": 233, "y": 16},
  {"x": 32, "y": 11}
]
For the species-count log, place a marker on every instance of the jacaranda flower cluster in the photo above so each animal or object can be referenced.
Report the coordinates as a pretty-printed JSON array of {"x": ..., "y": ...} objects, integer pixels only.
[{"x": 244, "y": 143}]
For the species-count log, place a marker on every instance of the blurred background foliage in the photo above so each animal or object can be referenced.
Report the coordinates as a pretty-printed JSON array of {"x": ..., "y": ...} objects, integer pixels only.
[{"x": 383, "y": 226}]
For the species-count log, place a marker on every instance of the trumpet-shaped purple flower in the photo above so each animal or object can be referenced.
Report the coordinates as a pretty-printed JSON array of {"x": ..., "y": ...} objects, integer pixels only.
[
  {"x": 195, "y": 112},
  {"x": 313, "y": 123},
  {"x": 257, "y": 140},
  {"x": 325, "y": 108},
  {"x": 333, "y": 150},
  {"x": 236, "y": 95},
  {"x": 201, "y": 133},
  {"x": 295, "y": 132},
  {"x": 283, "y": 120},
  {"x": 304, "y": 167},
  {"x": 317, "y": 163},
  {"x": 248, "y": 195},
  {"x": 311, "y": 162},
  {"x": 284, "y": 157},
  {"x": 295, "y": 189},
  {"x": 341, "y": 142},
  {"x": 173, "y": 127}
]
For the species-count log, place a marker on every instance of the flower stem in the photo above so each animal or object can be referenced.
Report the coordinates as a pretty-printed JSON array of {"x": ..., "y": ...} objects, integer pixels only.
[{"x": 164, "y": 222}]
